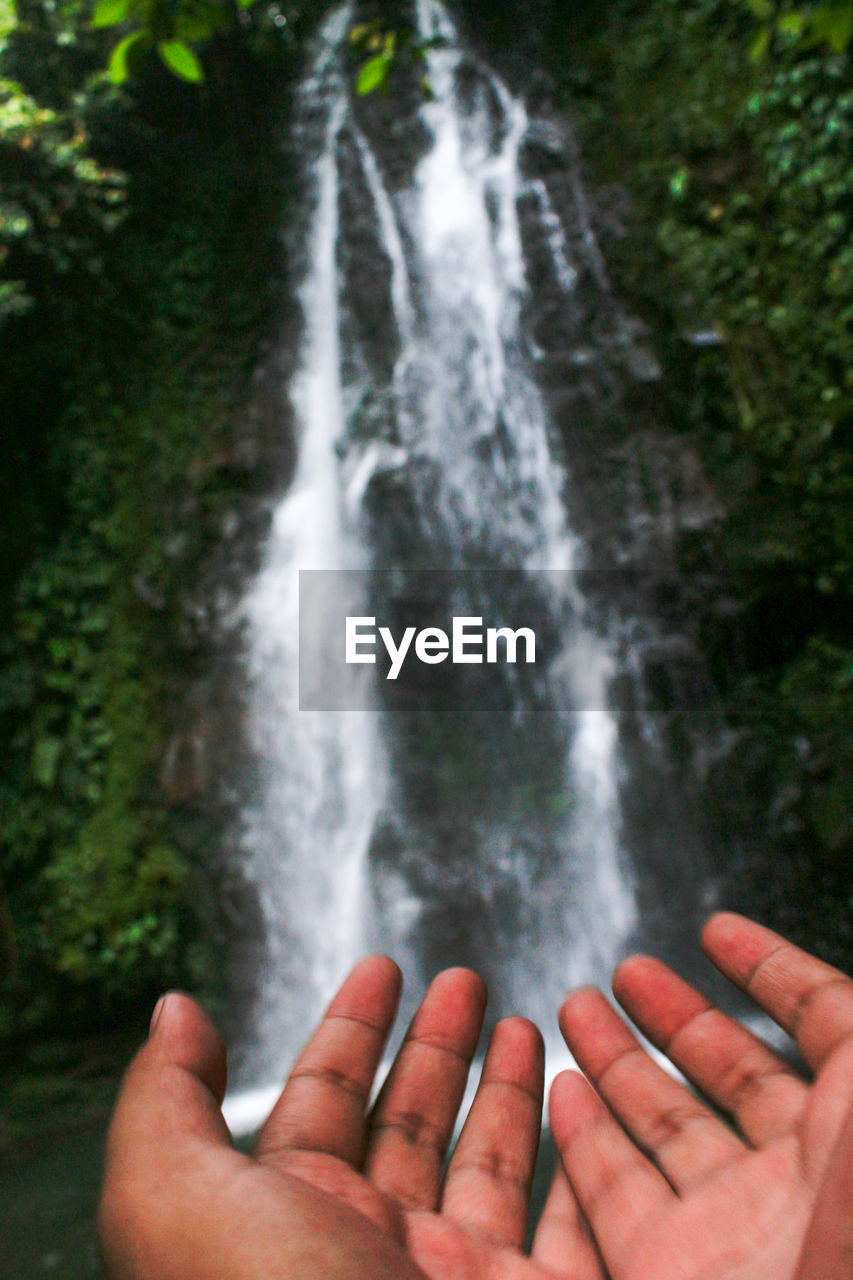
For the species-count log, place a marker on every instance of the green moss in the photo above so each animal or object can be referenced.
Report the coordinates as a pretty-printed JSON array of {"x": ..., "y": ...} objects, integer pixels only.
[
  {"x": 741, "y": 178},
  {"x": 97, "y": 910}
]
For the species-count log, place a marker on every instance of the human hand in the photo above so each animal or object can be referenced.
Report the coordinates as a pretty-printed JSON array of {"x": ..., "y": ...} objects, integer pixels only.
[
  {"x": 335, "y": 1190},
  {"x": 669, "y": 1191}
]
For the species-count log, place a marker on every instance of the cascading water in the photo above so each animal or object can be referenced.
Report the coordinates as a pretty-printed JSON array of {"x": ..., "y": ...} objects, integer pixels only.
[
  {"x": 320, "y": 778},
  {"x": 485, "y": 834}
]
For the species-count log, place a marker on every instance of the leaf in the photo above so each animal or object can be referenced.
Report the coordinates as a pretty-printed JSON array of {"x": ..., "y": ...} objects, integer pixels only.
[
  {"x": 832, "y": 24},
  {"x": 14, "y": 299},
  {"x": 8, "y": 19},
  {"x": 762, "y": 9},
  {"x": 60, "y": 649},
  {"x": 840, "y": 28},
  {"x": 245, "y": 4},
  {"x": 373, "y": 74},
  {"x": 679, "y": 181},
  {"x": 791, "y": 24},
  {"x": 46, "y": 755},
  {"x": 108, "y": 13},
  {"x": 119, "y": 66},
  {"x": 181, "y": 60},
  {"x": 759, "y": 45},
  {"x": 360, "y": 33}
]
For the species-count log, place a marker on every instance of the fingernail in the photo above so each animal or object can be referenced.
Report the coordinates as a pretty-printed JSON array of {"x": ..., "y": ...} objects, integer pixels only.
[{"x": 156, "y": 1015}]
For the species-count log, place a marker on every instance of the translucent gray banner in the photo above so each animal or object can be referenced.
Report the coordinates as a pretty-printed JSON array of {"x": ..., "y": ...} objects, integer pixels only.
[{"x": 402, "y": 639}]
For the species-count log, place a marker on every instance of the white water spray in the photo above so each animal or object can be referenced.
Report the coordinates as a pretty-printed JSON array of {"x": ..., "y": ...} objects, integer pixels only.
[{"x": 464, "y": 400}]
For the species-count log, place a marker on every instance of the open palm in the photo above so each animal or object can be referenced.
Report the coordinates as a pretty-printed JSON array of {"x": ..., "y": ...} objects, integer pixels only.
[
  {"x": 669, "y": 1190},
  {"x": 652, "y": 1184},
  {"x": 335, "y": 1189},
  {"x": 470, "y": 1221}
]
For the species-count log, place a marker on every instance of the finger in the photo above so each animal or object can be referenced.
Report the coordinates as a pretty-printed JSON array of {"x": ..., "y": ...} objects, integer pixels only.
[
  {"x": 617, "y": 1188},
  {"x": 828, "y": 1248},
  {"x": 728, "y": 1063},
  {"x": 830, "y": 1102},
  {"x": 810, "y": 999},
  {"x": 173, "y": 1087},
  {"x": 176, "y": 1083},
  {"x": 684, "y": 1138},
  {"x": 413, "y": 1118},
  {"x": 323, "y": 1105},
  {"x": 487, "y": 1186},
  {"x": 563, "y": 1242}
]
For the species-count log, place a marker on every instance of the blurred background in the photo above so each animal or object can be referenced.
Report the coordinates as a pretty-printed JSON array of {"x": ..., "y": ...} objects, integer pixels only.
[{"x": 534, "y": 311}]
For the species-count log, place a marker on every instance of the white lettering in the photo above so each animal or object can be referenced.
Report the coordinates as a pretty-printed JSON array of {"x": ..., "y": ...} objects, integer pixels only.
[
  {"x": 461, "y": 636},
  {"x": 397, "y": 655},
  {"x": 432, "y": 645},
  {"x": 511, "y": 638},
  {"x": 354, "y": 639}
]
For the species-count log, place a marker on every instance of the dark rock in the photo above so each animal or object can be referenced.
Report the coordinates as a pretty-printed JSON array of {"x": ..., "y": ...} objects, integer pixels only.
[
  {"x": 364, "y": 266},
  {"x": 184, "y": 772},
  {"x": 543, "y": 149},
  {"x": 145, "y": 591}
]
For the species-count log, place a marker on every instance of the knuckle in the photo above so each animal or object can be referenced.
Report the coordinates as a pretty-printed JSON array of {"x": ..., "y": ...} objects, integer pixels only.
[
  {"x": 746, "y": 1079},
  {"x": 498, "y": 1166},
  {"x": 416, "y": 1129},
  {"x": 669, "y": 1124},
  {"x": 335, "y": 1077},
  {"x": 814, "y": 1001}
]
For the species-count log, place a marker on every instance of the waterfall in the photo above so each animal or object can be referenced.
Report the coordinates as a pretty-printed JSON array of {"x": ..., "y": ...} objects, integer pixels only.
[
  {"x": 486, "y": 831},
  {"x": 319, "y": 775}
]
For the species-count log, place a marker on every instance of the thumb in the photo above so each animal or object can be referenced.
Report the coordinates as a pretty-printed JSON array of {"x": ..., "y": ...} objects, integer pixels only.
[
  {"x": 174, "y": 1087},
  {"x": 182, "y": 1039},
  {"x": 828, "y": 1249},
  {"x": 167, "y": 1116}
]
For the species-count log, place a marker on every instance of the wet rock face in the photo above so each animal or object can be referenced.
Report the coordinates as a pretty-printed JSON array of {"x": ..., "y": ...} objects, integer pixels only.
[
  {"x": 649, "y": 514},
  {"x": 471, "y": 807},
  {"x": 695, "y": 794},
  {"x": 509, "y": 35},
  {"x": 390, "y": 119},
  {"x": 364, "y": 267},
  {"x": 636, "y": 493},
  {"x": 396, "y": 500}
]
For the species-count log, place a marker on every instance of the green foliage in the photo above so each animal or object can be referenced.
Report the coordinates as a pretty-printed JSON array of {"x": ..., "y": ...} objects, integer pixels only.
[
  {"x": 181, "y": 31},
  {"x": 746, "y": 179},
  {"x": 57, "y": 203},
  {"x": 818, "y": 690},
  {"x": 114, "y": 913},
  {"x": 742, "y": 174},
  {"x": 809, "y": 27},
  {"x": 117, "y": 388},
  {"x": 170, "y": 28},
  {"x": 107, "y": 13},
  {"x": 181, "y": 60},
  {"x": 381, "y": 48},
  {"x": 97, "y": 897},
  {"x": 126, "y": 55}
]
